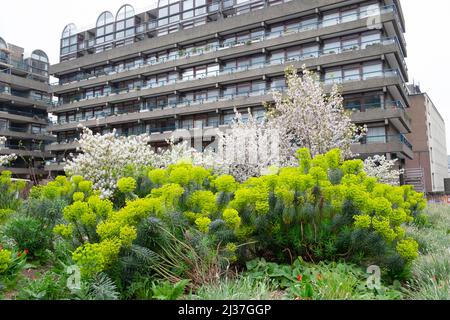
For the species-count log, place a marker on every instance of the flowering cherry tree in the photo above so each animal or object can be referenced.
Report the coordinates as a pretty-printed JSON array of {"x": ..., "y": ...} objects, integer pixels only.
[
  {"x": 247, "y": 148},
  {"x": 308, "y": 118},
  {"x": 302, "y": 117},
  {"x": 382, "y": 169},
  {"x": 103, "y": 159},
  {"x": 5, "y": 159}
]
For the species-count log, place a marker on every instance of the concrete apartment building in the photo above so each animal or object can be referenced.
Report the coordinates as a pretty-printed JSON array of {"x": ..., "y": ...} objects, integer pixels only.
[
  {"x": 24, "y": 99},
  {"x": 429, "y": 167},
  {"x": 188, "y": 64}
]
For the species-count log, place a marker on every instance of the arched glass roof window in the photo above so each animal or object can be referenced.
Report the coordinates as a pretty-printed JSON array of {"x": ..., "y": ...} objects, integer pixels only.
[
  {"x": 105, "y": 28},
  {"x": 3, "y": 44},
  {"x": 39, "y": 55},
  {"x": 125, "y": 22},
  {"x": 69, "y": 30},
  {"x": 39, "y": 63},
  {"x": 69, "y": 42}
]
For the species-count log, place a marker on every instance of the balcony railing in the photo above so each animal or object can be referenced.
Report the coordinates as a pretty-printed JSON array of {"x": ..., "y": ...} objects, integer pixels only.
[
  {"x": 24, "y": 114},
  {"x": 147, "y": 107},
  {"x": 15, "y": 129},
  {"x": 211, "y": 48},
  {"x": 8, "y": 91},
  {"x": 363, "y": 76},
  {"x": 232, "y": 70},
  {"x": 387, "y": 139},
  {"x": 12, "y": 146},
  {"x": 377, "y": 105},
  {"x": 258, "y": 92},
  {"x": 214, "y": 7}
]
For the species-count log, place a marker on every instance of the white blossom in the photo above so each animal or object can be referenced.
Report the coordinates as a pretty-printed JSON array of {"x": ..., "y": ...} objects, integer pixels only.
[
  {"x": 309, "y": 118},
  {"x": 248, "y": 148},
  {"x": 304, "y": 116},
  {"x": 382, "y": 169},
  {"x": 6, "y": 159},
  {"x": 103, "y": 159}
]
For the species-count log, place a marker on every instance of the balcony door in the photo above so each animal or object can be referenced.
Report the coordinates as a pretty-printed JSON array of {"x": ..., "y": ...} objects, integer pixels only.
[{"x": 376, "y": 135}]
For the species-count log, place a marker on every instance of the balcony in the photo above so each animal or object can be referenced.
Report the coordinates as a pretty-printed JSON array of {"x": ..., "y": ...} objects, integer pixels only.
[
  {"x": 22, "y": 116},
  {"x": 54, "y": 166},
  {"x": 6, "y": 94},
  {"x": 62, "y": 145},
  {"x": 23, "y": 171},
  {"x": 394, "y": 111},
  {"x": 259, "y": 68},
  {"x": 153, "y": 111},
  {"x": 372, "y": 145},
  {"x": 36, "y": 151},
  {"x": 387, "y": 12},
  {"x": 372, "y": 79},
  {"x": 25, "y": 133},
  {"x": 200, "y": 51}
]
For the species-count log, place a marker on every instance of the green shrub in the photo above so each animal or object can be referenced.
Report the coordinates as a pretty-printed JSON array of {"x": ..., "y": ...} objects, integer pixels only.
[
  {"x": 431, "y": 277},
  {"x": 126, "y": 185},
  {"x": 302, "y": 212},
  {"x": 323, "y": 209},
  {"x": 9, "y": 192},
  {"x": 5, "y": 260},
  {"x": 322, "y": 281},
  {"x": 168, "y": 291},
  {"x": 5, "y": 214},
  {"x": 431, "y": 270},
  {"x": 29, "y": 234},
  {"x": 46, "y": 286},
  {"x": 239, "y": 288},
  {"x": 49, "y": 212},
  {"x": 11, "y": 261}
]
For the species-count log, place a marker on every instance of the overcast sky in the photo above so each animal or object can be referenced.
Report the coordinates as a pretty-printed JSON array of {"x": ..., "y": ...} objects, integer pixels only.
[{"x": 38, "y": 25}]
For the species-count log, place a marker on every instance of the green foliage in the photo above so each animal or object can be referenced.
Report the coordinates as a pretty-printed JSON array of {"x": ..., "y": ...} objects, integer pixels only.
[
  {"x": 166, "y": 225},
  {"x": 322, "y": 209},
  {"x": 49, "y": 212},
  {"x": 93, "y": 258},
  {"x": 203, "y": 223},
  {"x": 126, "y": 185},
  {"x": 5, "y": 214},
  {"x": 12, "y": 261},
  {"x": 168, "y": 291},
  {"x": 30, "y": 234},
  {"x": 203, "y": 202},
  {"x": 64, "y": 188},
  {"x": 333, "y": 281},
  {"x": 231, "y": 218},
  {"x": 225, "y": 183},
  {"x": 240, "y": 288},
  {"x": 408, "y": 249},
  {"x": 49, "y": 286},
  {"x": 5, "y": 260},
  {"x": 431, "y": 278},
  {"x": 101, "y": 287},
  {"x": 9, "y": 194},
  {"x": 431, "y": 270}
]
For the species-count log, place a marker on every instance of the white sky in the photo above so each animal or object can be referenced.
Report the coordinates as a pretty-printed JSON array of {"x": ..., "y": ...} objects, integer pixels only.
[{"x": 38, "y": 25}]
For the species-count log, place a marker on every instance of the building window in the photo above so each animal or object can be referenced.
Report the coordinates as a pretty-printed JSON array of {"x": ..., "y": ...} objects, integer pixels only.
[
  {"x": 125, "y": 22},
  {"x": 376, "y": 135},
  {"x": 69, "y": 40},
  {"x": 105, "y": 28},
  {"x": 352, "y": 74},
  {"x": 372, "y": 70}
]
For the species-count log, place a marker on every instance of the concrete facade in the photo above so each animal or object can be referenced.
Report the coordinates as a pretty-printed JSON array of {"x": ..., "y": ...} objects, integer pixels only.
[
  {"x": 24, "y": 99},
  {"x": 184, "y": 72},
  {"x": 428, "y": 137}
]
